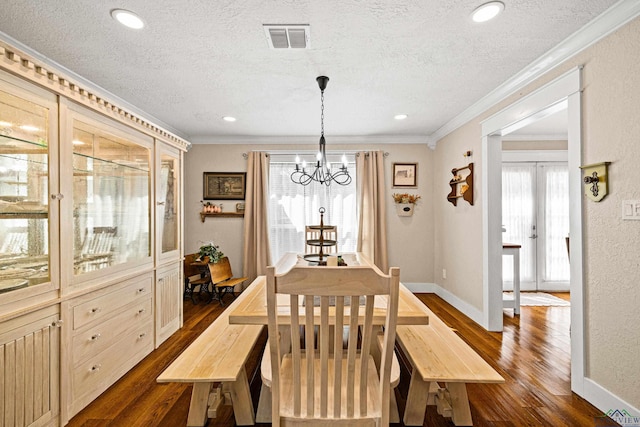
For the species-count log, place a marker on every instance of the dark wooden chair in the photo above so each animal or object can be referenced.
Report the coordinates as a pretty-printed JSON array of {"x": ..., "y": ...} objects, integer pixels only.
[
  {"x": 196, "y": 278},
  {"x": 222, "y": 279}
]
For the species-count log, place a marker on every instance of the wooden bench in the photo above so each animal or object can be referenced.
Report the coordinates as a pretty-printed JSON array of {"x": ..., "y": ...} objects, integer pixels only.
[
  {"x": 215, "y": 364},
  {"x": 437, "y": 354}
]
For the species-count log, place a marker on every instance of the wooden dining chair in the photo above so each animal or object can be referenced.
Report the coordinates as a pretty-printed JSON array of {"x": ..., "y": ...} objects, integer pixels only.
[
  {"x": 326, "y": 380},
  {"x": 222, "y": 279}
]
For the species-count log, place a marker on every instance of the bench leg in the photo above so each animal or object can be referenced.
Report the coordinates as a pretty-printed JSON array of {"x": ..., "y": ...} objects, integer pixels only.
[
  {"x": 241, "y": 400},
  {"x": 416, "y": 400},
  {"x": 198, "y": 406},
  {"x": 461, "y": 412}
]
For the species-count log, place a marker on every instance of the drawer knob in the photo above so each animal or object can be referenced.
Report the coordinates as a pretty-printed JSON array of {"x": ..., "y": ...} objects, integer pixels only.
[
  {"x": 142, "y": 310},
  {"x": 95, "y": 368},
  {"x": 141, "y": 290},
  {"x": 95, "y": 310},
  {"x": 94, "y": 337},
  {"x": 58, "y": 323},
  {"x": 142, "y": 335}
]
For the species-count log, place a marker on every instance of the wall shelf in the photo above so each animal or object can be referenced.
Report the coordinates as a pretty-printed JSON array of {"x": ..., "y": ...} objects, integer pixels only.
[
  {"x": 222, "y": 215},
  {"x": 457, "y": 191}
]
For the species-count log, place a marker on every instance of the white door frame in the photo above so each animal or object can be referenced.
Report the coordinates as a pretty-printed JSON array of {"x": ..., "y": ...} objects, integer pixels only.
[{"x": 563, "y": 91}]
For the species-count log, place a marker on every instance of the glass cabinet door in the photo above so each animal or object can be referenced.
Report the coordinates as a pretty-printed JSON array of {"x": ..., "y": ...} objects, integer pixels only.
[
  {"x": 167, "y": 200},
  {"x": 25, "y": 132},
  {"x": 111, "y": 204}
]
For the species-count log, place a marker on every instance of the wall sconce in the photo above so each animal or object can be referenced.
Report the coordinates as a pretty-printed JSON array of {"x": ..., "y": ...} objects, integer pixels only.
[{"x": 595, "y": 180}]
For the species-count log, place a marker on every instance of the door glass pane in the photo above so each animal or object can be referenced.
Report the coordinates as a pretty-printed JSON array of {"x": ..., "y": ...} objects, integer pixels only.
[
  {"x": 168, "y": 203},
  {"x": 24, "y": 189},
  {"x": 518, "y": 217},
  {"x": 111, "y": 185},
  {"x": 556, "y": 185}
]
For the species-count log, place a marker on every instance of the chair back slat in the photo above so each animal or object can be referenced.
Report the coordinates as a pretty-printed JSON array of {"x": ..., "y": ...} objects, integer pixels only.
[
  {"x": 323, "y": 344},
  {"x": 326, "y": 377},
  {"x": 352, "y": 352},
  {"x": 295, "y": 354},
  {"x": 337, "y": 356}
]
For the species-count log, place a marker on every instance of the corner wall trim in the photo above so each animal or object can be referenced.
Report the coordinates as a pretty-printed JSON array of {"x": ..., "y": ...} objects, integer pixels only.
[{"x": 462, "y": 306}]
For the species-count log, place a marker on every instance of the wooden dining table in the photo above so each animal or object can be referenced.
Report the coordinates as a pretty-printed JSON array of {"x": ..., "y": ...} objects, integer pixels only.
[{"x": 252, "y": 308}]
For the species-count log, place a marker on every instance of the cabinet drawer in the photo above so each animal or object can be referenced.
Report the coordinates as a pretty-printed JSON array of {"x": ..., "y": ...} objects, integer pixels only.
[
  {"x": 93, "y": 339},
  {"x": 97, "y": 373},
  {"x": 102, "y": 306}
]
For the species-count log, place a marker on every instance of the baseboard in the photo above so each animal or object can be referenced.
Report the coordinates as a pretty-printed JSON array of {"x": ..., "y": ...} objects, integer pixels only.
[
  {"x": 616, "y": 408},
  {"x": 465, "y": 308}
]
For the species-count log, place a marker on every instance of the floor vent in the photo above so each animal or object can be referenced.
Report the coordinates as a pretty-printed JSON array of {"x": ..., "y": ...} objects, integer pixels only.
[{"x": 288, "y": 36}]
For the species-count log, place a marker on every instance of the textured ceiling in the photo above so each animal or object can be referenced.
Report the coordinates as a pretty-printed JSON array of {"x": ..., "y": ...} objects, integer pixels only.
[{"x": 199, "y": 60}]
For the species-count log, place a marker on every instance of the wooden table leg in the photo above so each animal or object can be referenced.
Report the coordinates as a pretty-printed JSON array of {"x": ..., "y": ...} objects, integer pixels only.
[
  {"x": 198, "y": 406},
  {"x": 241, "y": 400},
  {"x": 461, "y": 412},
  {"x": 416, "y": 405}
]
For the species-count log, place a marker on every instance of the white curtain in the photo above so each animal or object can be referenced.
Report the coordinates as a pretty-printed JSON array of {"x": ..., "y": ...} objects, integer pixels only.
[
  {"x": 536, "y": 194},
  {"x": 293, "y": 206},
  {"x": 556, "y": 224}
]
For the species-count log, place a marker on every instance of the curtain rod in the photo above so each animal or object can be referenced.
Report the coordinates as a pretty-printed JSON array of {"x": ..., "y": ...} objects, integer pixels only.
[{"x": 287, "y": 152}]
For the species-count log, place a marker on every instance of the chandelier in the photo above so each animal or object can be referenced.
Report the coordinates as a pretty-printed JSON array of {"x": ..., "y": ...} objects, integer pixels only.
[{"x": 322, "y": 170}]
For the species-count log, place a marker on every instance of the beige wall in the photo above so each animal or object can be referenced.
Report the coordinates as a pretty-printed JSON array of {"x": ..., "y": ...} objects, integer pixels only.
[
  {"x": 611, "y": 132},
  {"x": 409, "y": 238}
]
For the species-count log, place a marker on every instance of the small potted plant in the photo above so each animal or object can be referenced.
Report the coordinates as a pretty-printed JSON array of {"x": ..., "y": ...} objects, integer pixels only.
[
  {"x": 404, "y": 203},
  {"x": 212, "y": 251}
]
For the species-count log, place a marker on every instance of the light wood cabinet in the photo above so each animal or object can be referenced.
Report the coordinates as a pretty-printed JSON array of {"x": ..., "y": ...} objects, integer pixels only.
[
  {"x": 30, "y": 368},
  {"x": 90, "y": 245},
  {"x": 110, "y": 331},
  {"x": 169, "y": 291}
]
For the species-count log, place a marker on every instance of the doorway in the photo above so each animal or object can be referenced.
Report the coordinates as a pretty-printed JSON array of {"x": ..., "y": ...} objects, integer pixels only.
[
  {"x": 535, "y": 215},
  {"x": 563, "y": 92}
]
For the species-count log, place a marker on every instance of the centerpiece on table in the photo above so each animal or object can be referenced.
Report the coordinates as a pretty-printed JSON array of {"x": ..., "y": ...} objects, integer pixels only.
[
  {"x": 212, "y": 251},
  {"x": 405, "y": 203}
]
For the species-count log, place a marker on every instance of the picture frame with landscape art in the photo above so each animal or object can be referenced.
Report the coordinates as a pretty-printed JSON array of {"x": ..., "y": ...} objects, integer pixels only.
[
  {"x": 224, "y": 185},
  {"x": 405, "y": 175}
]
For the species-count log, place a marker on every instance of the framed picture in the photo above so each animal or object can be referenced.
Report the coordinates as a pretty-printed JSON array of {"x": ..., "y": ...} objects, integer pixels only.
[
  {"x": 405, "y": 174},
  {"x": 224, "y": 185}
]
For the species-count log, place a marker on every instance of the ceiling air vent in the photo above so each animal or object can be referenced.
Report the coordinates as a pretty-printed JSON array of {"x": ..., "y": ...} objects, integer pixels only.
[{"x": 287, "y": 36}]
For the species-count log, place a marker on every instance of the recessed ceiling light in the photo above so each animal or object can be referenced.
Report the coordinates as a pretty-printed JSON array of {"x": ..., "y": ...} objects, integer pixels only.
[
  {"x": 5, "y": 124},
  {"x": 400, "y": 116},
  {"x": 127, "y": 18},
  {"x": 77, "y": 142},
  {"x": 487, "y": 11},
  {"x": 229, "y": 119},
  {"x": 29, "y": 128}
]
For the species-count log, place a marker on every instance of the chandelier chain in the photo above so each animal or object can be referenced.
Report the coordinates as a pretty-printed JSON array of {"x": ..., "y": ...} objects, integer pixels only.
[{"x": 322, "y": 113}]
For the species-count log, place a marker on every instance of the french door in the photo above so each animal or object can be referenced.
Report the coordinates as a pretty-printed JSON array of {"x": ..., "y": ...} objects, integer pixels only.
[{"x": 535, "y": 214}]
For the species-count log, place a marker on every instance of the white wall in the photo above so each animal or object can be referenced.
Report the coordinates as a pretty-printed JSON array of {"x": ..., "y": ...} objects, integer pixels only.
[
  {"x": 410, "y": 239},
  {"x": 611, "y": 131}
]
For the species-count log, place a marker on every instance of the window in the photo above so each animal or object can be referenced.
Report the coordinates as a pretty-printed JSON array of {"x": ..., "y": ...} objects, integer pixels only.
[{"x": 294, "y": 206}]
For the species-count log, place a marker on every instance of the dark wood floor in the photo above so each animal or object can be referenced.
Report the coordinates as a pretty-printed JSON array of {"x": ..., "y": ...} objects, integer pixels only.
[{"x": 532, "y": 355}]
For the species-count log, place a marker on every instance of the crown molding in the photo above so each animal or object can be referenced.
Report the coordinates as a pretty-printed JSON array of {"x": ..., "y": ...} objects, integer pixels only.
[
  {"x": 309, "y": 140},
  {"x": 609, "y": 21},
  {"x": 19, "y": 59}
]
